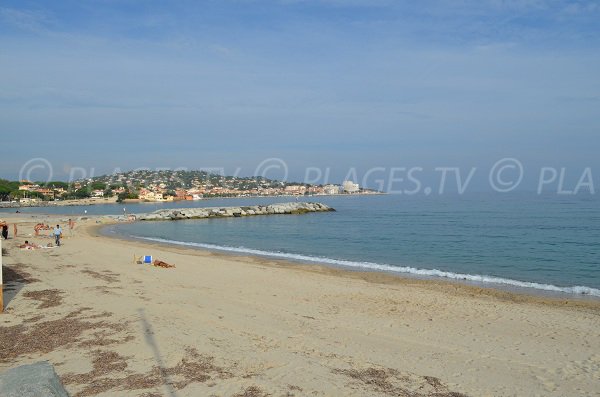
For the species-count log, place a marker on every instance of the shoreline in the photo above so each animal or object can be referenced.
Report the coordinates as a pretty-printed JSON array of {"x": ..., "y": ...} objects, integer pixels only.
[
  {"x": 479, "y": 285},
  {"x": 225, "y": 325},
  {"x": 504, "y": 292},
  {"x": 488, "y": 288}
]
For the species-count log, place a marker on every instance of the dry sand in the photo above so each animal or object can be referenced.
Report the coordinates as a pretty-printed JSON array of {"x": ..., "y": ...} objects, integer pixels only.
[{"x": 237, "y": 326}]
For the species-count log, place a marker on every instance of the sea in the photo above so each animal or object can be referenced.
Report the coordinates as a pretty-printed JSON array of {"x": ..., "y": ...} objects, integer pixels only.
[{"x": 522, "y": 241}]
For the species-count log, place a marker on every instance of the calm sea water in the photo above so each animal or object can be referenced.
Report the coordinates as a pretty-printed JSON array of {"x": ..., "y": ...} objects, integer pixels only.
[{"x": 523, "y": 240}]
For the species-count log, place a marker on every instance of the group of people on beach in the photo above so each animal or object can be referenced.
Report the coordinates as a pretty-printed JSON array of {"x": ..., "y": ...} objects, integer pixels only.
[
  {"x": 43, "y": 226},
  {"x": 57, "y": 232}
]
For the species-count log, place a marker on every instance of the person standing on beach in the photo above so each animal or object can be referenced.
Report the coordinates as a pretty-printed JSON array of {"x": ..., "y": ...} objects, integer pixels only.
[
  {"x": 14, "y": 230},
  {"x": 57, "y": 235},
  {"x": 5, "y": 231},
  {"x": 71, "y": 226}
]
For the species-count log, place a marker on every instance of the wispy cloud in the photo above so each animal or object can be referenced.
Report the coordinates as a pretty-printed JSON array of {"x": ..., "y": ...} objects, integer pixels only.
[
  {"x": 26, "y": 20},
  {"x": 263, "y": 73}
]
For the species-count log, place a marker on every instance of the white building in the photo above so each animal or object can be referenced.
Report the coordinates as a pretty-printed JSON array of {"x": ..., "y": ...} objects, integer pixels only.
[
  {"x": 331, "y": 189},
  {"x": 350, "y": 187},
  {"x": 26, "y": 200}
]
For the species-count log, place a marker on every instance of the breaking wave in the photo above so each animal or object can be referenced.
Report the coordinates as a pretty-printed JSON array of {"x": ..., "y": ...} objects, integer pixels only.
[{"x": 579, "y": 290}]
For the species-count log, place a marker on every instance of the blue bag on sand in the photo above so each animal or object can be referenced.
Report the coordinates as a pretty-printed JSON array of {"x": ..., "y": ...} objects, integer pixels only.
[{"x": 147, "y": 259}]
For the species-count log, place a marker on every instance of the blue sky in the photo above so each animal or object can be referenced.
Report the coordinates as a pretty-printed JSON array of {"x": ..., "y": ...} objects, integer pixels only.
[{"x": 339, "y": 84}]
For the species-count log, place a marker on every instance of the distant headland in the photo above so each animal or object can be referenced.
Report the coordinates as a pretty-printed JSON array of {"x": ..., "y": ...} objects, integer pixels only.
[{"x": 159, "y": 186}]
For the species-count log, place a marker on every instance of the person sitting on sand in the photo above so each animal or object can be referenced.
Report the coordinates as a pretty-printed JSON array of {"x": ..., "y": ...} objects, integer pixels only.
[{"x": 28, "y": 245}]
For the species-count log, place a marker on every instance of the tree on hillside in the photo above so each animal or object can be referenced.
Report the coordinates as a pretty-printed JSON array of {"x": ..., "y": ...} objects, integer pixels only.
[
  {"x": 57, "y": 185},
  {"x": 17, "y": 194},
  {"x": 126, "y": 195},
  {"x": 98, "y": 186},
  {"x": 6, "y": 188},
  {"x": 4, "y": 193},
  {"x": 82, "y": 193}
]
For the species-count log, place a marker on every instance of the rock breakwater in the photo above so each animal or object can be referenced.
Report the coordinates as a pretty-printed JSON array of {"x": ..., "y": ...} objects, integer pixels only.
[{"x": 221, "y": 212}]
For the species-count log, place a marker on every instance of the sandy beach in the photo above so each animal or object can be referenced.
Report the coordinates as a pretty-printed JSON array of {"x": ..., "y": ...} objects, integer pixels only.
[{"x": 221, "y": 325}]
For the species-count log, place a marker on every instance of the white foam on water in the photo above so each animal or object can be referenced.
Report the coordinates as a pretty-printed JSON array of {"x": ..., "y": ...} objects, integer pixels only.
[{"x": 579, "y": 290}]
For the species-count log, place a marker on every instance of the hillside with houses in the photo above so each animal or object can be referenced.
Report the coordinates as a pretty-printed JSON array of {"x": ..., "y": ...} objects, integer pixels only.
[{"x": 165, "y": 185}]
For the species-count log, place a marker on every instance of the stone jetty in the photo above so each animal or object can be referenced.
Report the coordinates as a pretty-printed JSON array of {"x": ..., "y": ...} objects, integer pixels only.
[{"x": 221, "y": 212}]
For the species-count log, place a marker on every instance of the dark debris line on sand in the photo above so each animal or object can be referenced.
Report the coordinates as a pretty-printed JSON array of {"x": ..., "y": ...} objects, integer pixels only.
[
  {"x": 16, "y": 274},
  {"x": 107, "y": 276},
  {"x": 393, "y": 383},
  {"x": 46, "y": 336},
  {"x": 251, "y": 391},
  {"x": 47, "y": 297},
  {"x": 193, "y": 367}
]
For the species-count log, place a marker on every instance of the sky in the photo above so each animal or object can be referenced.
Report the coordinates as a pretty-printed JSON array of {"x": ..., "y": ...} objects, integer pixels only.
[{"x": 343, "y": 87}]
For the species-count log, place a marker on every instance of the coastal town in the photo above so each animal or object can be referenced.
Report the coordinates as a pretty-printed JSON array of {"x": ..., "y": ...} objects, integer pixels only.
[{"x": 160, "y": 186}]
